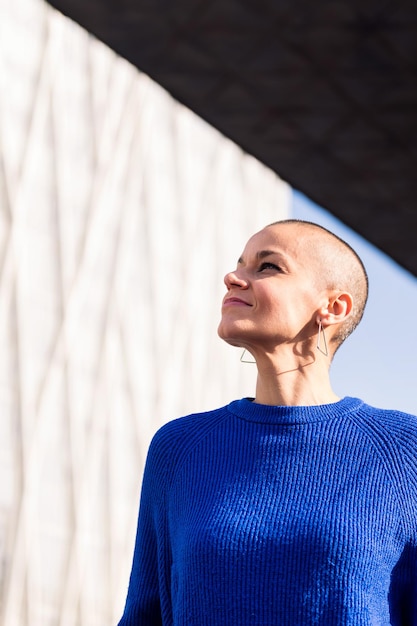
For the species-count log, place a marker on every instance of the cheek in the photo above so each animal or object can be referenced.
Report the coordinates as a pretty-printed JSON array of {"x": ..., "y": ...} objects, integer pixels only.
[{"x": 298, "y": 306}]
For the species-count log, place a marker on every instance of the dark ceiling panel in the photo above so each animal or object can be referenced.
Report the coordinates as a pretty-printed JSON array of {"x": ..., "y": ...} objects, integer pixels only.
[{"x": 324, "y": 93}]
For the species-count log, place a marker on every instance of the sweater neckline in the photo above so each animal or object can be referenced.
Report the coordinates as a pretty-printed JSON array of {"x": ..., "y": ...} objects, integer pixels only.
[{"x": 251, "y": 411}]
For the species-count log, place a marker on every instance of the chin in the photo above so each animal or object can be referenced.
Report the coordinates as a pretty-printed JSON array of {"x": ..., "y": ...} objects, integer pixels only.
[
  {"x": 229, "y": 338},
  {"x": 233, "y": 342},
  {"x": 235, "y": 332}
]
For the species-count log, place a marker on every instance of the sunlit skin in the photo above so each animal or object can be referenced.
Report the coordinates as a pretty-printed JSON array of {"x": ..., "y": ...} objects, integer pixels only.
[{"x": 273, "y": 305}]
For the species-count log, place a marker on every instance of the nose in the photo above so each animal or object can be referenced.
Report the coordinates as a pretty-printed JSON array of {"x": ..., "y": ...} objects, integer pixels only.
[{"x": 235, "y": 279}]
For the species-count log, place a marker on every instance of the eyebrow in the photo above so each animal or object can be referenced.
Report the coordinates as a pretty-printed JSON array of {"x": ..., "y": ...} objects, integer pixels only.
[{"x": 262, "y": 254}]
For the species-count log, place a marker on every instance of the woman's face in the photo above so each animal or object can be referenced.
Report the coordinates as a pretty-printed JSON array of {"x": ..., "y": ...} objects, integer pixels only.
[{"x": 273, "y": 296}]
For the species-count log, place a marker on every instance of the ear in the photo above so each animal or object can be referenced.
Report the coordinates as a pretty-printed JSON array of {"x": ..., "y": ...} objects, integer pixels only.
[{"x": 337, "y": 310}]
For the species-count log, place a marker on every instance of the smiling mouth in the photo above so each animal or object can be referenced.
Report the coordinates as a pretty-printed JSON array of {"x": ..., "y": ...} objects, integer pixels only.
[{"x": 235, "y": 302}]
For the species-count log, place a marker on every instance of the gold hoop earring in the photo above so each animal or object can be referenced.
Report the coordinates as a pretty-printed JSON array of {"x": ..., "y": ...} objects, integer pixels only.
[{"x": 321, "y": 339}]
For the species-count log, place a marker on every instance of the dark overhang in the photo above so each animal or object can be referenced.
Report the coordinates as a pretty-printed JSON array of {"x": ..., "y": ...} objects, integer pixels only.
[{"x": 324, "y": 93}]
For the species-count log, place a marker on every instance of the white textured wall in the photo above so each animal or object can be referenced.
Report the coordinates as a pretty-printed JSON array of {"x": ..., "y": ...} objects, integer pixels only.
[{"x": 120, "y": 212}]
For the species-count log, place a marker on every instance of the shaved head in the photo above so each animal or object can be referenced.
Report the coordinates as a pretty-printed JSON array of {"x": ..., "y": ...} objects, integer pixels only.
[{"x": 337, "y": 267}]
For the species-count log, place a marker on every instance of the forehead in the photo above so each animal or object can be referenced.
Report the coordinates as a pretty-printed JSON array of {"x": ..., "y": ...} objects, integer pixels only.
[
  {"x": 288, "y": 239},
  {"x": 303, "y": 250}
]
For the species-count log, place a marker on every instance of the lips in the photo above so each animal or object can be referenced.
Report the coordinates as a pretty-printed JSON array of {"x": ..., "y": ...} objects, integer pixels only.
[{"x": 233, "y": 301}]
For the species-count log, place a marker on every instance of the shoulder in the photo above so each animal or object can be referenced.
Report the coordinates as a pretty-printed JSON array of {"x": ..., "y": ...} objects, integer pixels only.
[
  {"x": 400, "y": 429},
  {"x": 388, "y": 422},
  {"x": 387, "y": 429},
  {"x": 393, "y": 436},
  {"x": 174, "y": 440},
  {"x": 189, "y": 427}
]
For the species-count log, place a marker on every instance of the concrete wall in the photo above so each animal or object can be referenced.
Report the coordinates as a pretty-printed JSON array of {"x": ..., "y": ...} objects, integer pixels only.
[{"x": 120, "y": 212}]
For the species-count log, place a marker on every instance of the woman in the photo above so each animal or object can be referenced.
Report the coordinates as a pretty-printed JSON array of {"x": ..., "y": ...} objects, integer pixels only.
[{"x": 295, "y": 507}]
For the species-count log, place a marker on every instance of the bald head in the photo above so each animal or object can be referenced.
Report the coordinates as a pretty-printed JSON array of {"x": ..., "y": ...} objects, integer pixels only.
[{"x": 337, "y": 266}]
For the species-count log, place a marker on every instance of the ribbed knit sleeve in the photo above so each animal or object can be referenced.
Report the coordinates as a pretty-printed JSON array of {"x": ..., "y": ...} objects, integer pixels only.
[
  {"x": 148, "y": 601},
  {"x": 401, "y": 430},
  {"x": 143, "y": 603}
]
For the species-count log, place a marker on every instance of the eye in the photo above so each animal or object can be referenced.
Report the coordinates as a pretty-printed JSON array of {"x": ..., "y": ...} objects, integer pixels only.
[{"x": 269, "y": 266}]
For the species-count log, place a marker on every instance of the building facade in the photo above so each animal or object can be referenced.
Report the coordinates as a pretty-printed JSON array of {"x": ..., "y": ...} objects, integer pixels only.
[{"x": 120, "y": 213}]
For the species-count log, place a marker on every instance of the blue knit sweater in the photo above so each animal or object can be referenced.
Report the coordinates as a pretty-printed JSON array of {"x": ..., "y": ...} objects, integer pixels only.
[{"x": 253, "y": 515}]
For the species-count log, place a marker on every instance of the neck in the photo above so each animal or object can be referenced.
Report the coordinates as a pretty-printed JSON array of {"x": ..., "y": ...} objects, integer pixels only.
[{"x": 294, "y": 385}]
